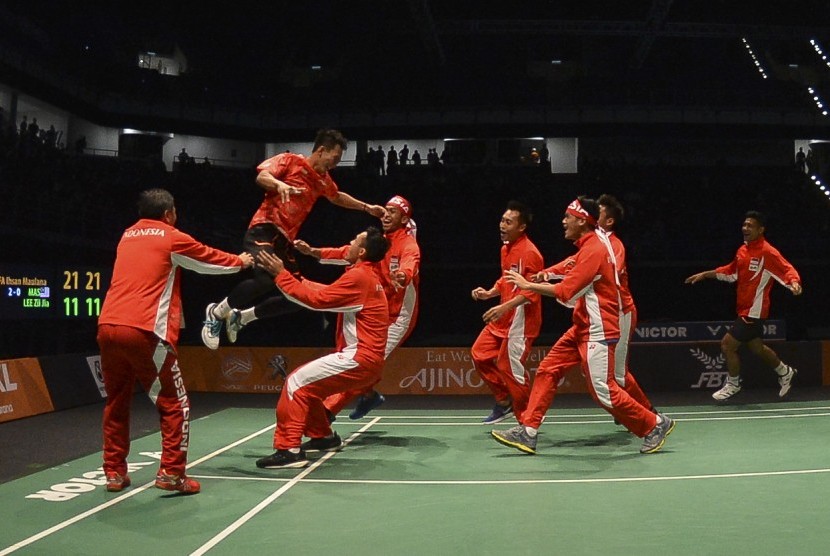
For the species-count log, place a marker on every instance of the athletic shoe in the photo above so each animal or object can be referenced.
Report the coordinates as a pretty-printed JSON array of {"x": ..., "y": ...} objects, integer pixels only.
[
  {"x": 211, "y": 328},
  {"x": 282, "y": 459},
  {"x": 786, "y": 381},
  {"x": 365, "y": 404},
  {"x": 117, "y": 482},
  {"x": 278, "y": 366},
  {"x": 233, "y": 324},
  {"x": 729, "y": 389},
  {"x": 499, "y": 414},
  {"x": 517, "y": 437},
  {"x": 178, "y": 483},
  {"x": 657, "y": 437},
  {"x": 331, "y": 443}
]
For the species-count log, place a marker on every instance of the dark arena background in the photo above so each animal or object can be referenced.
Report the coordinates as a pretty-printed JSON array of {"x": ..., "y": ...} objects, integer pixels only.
[{"x": 690, "y": 113}]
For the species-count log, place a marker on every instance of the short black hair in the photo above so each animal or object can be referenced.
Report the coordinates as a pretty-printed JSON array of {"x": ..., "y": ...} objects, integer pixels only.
[
  {"x": 153, "y": 203},
  {"x": 613, "y": 208},
  {"x": 525, "y": 214},
  {"x": 759, "y": 216},
  {"x": 329, "y": 138},
  {"x": 376, "y": 245},
  {"x": 590, "y": 206}
]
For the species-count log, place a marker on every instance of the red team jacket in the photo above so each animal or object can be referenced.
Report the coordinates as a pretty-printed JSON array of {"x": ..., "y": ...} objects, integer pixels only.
[
  {"x": 591, "y": 283},
  {"x": 294, "y": 170},
  {"x": 145, "y": 288},
  {"x": 403, "y": 254},
  {"x": 525, "y": 320},
  {"x": 359, "y": 297},
  {"x": 754, "y": 266}
]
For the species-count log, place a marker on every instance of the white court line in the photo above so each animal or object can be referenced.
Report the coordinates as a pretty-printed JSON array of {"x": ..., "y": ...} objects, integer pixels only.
[
  {"x": 668, "y": 411},
  {"x": 120, "y": 498},
  {"x": 390, "y": 421},
  {"x": 282, "y": 490},
  {"x": 576, "y": 481}
]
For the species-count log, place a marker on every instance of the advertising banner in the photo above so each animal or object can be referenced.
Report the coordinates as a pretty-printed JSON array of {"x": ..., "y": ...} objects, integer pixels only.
[
  {"x": 22, "y": 389},
  {"x": 71, "y": 381},
  {"x": 699, "y": 331}
]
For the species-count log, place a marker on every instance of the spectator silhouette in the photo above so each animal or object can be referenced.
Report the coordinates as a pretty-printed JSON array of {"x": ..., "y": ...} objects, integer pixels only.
[
  {"x": 416, "y": 158},
  {"x": 404, "y": 155},
  {"x": 184, "y": 158},
  {"x": 801, "y": 161},
  {"x": 391, "y": 158},
  {"x": 380, "y": 160}
]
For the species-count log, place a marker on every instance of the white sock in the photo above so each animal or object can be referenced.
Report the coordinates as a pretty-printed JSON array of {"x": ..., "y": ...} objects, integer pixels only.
[
  {"x": 222, "y": 309},
  {"x": 734, "y": 380},
  {"x": 531, "y": 432},
  {"x": 246, "y": 316},
  {"x": 294, "y": 450},
  {"x": 781, "y": 369}
]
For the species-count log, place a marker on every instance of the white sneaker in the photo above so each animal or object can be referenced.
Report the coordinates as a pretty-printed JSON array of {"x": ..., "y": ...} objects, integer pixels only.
[
  {"x": 211, "y": 328},
  {"x": 786, "y": 381},
  {"x": 233, "y": 324},
  {"x": 729, "y": 389}
]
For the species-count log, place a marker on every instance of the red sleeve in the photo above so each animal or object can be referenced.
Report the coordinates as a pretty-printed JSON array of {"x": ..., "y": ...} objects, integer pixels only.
[
  {"x": 410, "y": 261},
  {"x": 345, "y": 295},
  {"x": 781, "y": 268},
  {"x": 334, "y": 255},
  {"x": 560, "y": 269},
  {"x": 533, "y": 264},
  {"x": 728, "y": 272},
  {"x": 277, "y": 166},
  {"x": 585, "y": 269},
  {"x": 188, "y": 253}
]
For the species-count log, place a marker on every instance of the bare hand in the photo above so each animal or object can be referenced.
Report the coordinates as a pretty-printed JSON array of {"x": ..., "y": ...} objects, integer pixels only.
[
  {"x": 247, "y": 260},
  {"x": 302, "y": 247},
  {"x": 539, "y": 277},
  {"x": 375, "y": 210},
  {"x": 480, "y": 294},
  {"x": 398, "y": 278},
  {"x": 695, "y": 278},
  {"x": 795, "y": 287},
  {"x": 494, "y": 313},
  {"x": 269, "y": 262},
  {"x": 285, "y": 191},
  {"x": 513, "y": 277}
]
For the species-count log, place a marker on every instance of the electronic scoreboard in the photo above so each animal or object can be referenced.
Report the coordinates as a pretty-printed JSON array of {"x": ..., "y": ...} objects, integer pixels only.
[{"x": 44, "y": 291}]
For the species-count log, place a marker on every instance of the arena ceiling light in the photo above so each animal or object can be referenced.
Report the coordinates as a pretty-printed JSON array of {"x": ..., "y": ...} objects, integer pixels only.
[
  {"x": 820, "y": 52},
  {"x": 755, "y": 59}
]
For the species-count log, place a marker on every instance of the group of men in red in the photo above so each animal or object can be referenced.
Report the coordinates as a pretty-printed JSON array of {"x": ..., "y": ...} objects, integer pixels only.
[{"x": 376, "y": 299}]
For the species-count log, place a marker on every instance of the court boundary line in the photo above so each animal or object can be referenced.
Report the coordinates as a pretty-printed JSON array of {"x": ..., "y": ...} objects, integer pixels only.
[
  {"x": 109, "y": 503},
  {"x": 244, "y": 518},
  {"x": 748, "y": 474}
]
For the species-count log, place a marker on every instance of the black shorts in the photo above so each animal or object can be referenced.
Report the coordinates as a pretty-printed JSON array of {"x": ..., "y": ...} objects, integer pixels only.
[
  {"x": 267, "y": 237},
  {"x": 745, "y": 329}
]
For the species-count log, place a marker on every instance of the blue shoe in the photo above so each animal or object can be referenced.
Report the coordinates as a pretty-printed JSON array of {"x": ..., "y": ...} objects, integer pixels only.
[
  {"x": 365, "y": 404},
  {"x": 499, "y": 414}
]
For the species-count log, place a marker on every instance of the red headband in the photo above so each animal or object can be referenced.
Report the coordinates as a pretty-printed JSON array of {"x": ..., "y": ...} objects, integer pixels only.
[
  {"x": 575, "y": 208},
  {"x": 399, "y": 201}
]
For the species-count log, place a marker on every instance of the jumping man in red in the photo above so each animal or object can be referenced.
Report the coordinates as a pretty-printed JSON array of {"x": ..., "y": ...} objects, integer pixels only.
[
  {"x": 138, "y": 330},
  {"x": 591, "y": 286},
  {"x": 292, "y": 185},
  {"x": 756, "y": 265},
  {"x": 501, "y": 349},
  {"x": 358, "y": 361}
]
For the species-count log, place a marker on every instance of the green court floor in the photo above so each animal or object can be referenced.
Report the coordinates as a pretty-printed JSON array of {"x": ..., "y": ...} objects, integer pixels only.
[{"x": 749, "y": 479}]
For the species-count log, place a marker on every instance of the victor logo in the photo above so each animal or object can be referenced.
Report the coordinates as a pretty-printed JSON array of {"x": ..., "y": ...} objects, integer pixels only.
[{"x": 236, "y": 368}]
